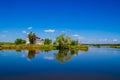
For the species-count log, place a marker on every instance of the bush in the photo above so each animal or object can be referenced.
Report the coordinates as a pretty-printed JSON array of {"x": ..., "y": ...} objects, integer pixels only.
[
  {"x": 47, "y": 41},
  {"x": 19, "y": 41}
]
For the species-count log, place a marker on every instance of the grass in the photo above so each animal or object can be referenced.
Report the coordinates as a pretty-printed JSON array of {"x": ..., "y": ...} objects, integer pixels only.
[
  {"x": 107, "y": 45},
  {"x": 40, "y": 47},
  {"x": 84, "y": 47},
  {"x": 114, "y": 46},
  {"x": 81, "y": 47}
]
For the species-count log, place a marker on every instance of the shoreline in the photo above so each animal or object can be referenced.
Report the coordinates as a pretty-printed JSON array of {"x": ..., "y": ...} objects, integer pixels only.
[
  {"x": 84, "y": 47},
  {"x": 41, "y": 47}
]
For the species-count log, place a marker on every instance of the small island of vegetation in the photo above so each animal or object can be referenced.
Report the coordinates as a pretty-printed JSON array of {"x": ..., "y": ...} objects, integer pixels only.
[
  {"x": 35, "y": 43},
  {"x": 62, "y": 41}
]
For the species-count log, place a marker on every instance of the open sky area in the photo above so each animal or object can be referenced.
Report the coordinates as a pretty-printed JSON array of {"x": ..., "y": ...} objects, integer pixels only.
[{"x": 89, "y": 21}]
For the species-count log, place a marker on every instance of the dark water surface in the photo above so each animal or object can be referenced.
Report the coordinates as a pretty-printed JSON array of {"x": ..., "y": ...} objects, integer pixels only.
[{"x": 94, "y": 64}]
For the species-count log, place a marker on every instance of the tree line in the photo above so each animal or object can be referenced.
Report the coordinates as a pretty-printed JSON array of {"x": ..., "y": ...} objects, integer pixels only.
[{"x": 61, "y": 40}]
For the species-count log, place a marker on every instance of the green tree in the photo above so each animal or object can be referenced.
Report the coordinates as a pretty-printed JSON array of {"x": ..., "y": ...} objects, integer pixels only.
[
  {"x": 23, "y": 41},
  {"x": 31, "y": 37},
  {"x": 1, "y": 43},
  {"x": 47, "y": 41},
  {"x": 73, "y": 43},
  {"x": 62, "y": 40},
  {"x": 19, "y": 41}
]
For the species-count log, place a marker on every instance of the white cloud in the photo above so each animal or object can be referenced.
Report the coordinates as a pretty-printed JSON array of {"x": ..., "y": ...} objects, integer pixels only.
[
  {"x": 103, "y": 40},
  {"x": 76, "y": 35},
  {"x": 115, "y": 40},
  {"x": 63, "y": 31},
  {"x": 24, "y": 32},
  {"x": 29, "y": 28},
  {"x": 48, "y": 57},
  {"x": 49, "y": 30},
  {"x": 80, "y": 37},
  {"x": 23, "y": 55}
]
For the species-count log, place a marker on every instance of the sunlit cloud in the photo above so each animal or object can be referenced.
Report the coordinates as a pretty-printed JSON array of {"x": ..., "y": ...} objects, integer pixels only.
[
  {"x": 63, "y": 31},
  {"x": 48, "y": 57},
  {"x": 49, "y": 30},
  {"x": 66, "y": 30},
  {"x": 80, "y": 37},
  {"x": 23, "y": 55},
  {"x": 24, "y": 32},
  {"x": 29, "y": 28},
  {"x": 76, "y": 35},
  {"x": 115, "y": 40},
  {"x": 103, "y": 40}
]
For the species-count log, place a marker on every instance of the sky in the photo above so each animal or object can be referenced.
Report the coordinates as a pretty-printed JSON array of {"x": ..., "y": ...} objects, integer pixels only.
[{"x": 89, "y": 21}]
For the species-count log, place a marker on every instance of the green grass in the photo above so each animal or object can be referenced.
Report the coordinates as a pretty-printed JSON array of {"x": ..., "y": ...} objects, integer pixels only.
[
  {"x": 107, "y": 45},
  {"x": 114, "y": 46},
  {"x": 40, "y": 47},
  {"x": 24, "y": 46}
]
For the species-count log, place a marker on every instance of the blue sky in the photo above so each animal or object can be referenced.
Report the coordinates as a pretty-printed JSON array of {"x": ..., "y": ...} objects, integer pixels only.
[{"x": 89, "y": 21}]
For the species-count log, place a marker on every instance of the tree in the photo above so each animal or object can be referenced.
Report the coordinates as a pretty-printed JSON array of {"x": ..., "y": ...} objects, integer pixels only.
[
  {"x": 31, "y": 37},
  {"x": 73, "y": 43},
  {"x": 19, "y": 41},
  {"x": 62, "y": 40},
  {"x": 1, "y": 43},
  {"x": 47, "y": 41}
]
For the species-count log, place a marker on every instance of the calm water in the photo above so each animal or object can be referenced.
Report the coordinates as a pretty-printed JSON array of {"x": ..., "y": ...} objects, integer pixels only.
[{"x": 94, "y": 64}]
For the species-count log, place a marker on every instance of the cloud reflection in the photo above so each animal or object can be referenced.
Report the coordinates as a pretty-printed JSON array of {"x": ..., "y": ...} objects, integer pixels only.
[{"x": 49, "y": 57}]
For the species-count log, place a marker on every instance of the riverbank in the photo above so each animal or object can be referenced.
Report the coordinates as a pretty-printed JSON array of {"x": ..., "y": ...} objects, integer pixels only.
[
  {"x": 114, "y": 46},
  {"x": 107, "y": 45},
  {"x": 40, "y": 47}
]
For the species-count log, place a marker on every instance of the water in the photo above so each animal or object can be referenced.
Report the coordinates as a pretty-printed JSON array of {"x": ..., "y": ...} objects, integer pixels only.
[{"x": 94, "y": 64}]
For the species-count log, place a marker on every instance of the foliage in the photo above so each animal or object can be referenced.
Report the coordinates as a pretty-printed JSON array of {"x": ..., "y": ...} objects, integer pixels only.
[
  {"x": 74, "y": 42},
  {"x": 1, "y": 43},
  {"x": 19, "y": 41},
  {"x": 47, "y": 41},
  {"x": 63, "y": 40},
  {"x": 6, "y": 43},
  {"x": 31, "y": 37}
]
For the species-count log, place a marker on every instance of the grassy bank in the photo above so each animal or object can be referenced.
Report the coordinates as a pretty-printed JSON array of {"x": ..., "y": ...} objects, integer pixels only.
[
  {"x": 39, "y": 47},
  {"x": 27, "y": 47},
  {"x": 107, "y": 45},
  {"x": 114, "y": 46}
]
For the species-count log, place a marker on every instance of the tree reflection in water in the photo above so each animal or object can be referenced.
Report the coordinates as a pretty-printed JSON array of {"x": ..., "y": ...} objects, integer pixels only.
[
  {"x": 65, "y": 55},
  {"x": 31, "y": 53},
  {"x": 18, "y": 50}
]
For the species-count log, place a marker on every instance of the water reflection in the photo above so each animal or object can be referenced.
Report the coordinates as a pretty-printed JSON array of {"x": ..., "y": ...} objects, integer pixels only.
[
  {"x": 18, "y": 50},
  {"x": 31, "y": 53},
  {"x": 62, "y": 55},
  {"x": 65, "y": 55},
  {"x": 93, "y": 65}
]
